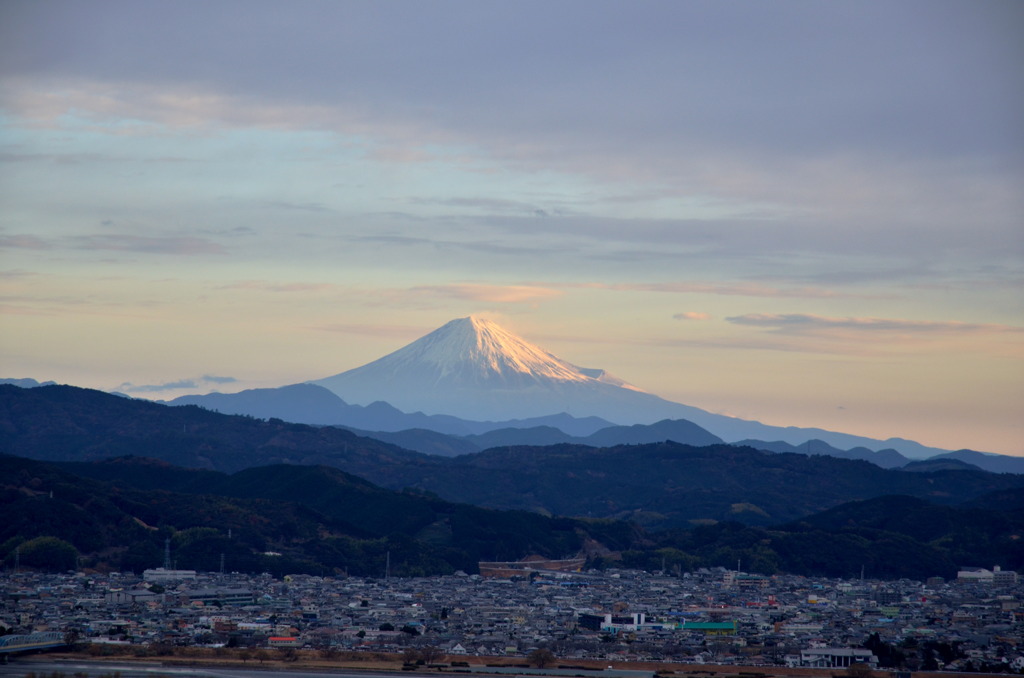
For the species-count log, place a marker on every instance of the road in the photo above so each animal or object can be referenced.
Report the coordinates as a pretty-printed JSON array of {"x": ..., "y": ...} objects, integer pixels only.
[
  {"x": 81, "y": 669},
  {"x": 75, "y": 669}
]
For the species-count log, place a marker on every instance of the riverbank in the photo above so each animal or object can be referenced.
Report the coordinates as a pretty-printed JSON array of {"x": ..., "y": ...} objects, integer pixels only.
[{"x": 378, "y": 662}]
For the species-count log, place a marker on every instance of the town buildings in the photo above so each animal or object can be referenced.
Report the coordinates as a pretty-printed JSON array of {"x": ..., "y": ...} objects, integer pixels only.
[{"x": 710, "y": 616}]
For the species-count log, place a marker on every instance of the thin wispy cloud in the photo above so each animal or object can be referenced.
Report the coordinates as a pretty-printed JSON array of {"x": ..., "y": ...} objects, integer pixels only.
[
  {"x": 18, "y": 274},
  {"x": 807, "y": 323},
  {"x": 388, "y": 331},
  {"x": 24, "y": 241},
  {"x": 173, "y": 245},
  {"x": 123, "y": 242},
  {"x": 741, "y": 290},
  {"x": 266, "y": 286},
  {"x": 722, "y": 289},
  {"x": 217, "y": 380},
  {"x": 492, "y": 205},
  {"x": 499, "y": 294},
  {"x": 178, "y": 385},
  {"x": 692, "y": 315},
  {"x": 128, "y": 387},
  {"x": 300, "y": 207}
]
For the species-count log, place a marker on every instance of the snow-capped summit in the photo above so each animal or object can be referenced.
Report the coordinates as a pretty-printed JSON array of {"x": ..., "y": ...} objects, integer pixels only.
[
  {"x": 476, "y": 351},
  {"x": 474, "y": 368}
]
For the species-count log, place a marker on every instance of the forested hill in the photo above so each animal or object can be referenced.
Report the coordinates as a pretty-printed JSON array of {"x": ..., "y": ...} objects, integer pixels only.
[
  {"x": 669, "y": 485},
  {"x": 66, "y": 423},
  {"x": 660, "y": 486},
  {"x": 291, "y": 519},
  {"x": 117, "y": 513}
]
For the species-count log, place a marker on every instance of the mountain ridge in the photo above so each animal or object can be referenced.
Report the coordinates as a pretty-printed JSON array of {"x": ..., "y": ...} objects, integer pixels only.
[
  {"x": 118, "y": 513},
  {"x": 662, "y": 484},
  {"x": 312, "y": 404},
  {"x": 450, "y": 436},
  {"x": 471, "y": 371},
  {"x": 474, "y": 369}
]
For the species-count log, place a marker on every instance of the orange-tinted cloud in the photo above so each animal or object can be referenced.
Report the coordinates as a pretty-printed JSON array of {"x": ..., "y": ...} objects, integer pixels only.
[{"x": 499, "y": 294}]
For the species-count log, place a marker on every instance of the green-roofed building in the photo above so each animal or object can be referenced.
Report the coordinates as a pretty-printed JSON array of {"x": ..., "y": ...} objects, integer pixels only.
[{"x": 712, "y": 628}]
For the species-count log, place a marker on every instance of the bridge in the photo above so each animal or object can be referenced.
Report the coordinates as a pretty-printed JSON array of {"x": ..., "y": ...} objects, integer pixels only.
[{"x": 30, "y": 642}]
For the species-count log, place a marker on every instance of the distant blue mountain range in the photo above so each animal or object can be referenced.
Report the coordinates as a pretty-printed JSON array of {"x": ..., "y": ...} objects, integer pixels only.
[{"x": 451, "y": 436}]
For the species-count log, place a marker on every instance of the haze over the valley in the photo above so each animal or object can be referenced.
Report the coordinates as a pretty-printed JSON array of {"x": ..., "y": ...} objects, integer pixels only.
[{"x": 805, "y": 214}]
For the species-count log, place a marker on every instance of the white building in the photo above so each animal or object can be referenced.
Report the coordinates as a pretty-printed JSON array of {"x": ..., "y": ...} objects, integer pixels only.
[
  {"x": 996, "y": 575},
  {"x": 159, "y": 574},
  {"x": 837, "y": 657}
]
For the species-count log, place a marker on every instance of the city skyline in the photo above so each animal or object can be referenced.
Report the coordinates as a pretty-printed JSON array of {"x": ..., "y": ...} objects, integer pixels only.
[{"x": 801, "y": 214}]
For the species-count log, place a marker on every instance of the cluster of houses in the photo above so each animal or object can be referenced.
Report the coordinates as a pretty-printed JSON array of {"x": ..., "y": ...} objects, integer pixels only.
[{"x": 711, "y": 616}]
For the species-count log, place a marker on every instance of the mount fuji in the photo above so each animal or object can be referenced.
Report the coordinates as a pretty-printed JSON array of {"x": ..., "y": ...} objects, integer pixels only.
[{"x": 474, "y": 369}]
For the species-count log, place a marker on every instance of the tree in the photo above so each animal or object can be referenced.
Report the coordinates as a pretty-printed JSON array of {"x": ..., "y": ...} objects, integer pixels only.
[
  {"x": 70, "y": 637},
  {"x": 859, "y": 670},
  {"x": 431, "y": 653},
  {"x": 542, "y": 657},
  {"x": 889, "y": 656},
  {"x": 49, "y": 553}
]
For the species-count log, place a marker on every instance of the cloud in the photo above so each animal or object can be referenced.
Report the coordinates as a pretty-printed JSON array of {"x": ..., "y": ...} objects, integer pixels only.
[
  {"x": 501, "y": 294},
  {"x": 403, "y": 332},
  {"x": 491, "y": 205},
  {"x": 485, "y": 293},
  {"x": 217, "y": 380},
  {"x": 661, "y": 91},
  {"x": 692, "y": 315},
  {"x": 841, "y": 133},
  {"x": 449, "y": 245},
  {"x": 124, "y": 242},
  {"x": 807, "y": 323},
  {"x": 175, "y": 245},
  {"x": 743, "y": 290},
  {"x": 731, "y": 289},
  {"x": 393, "y": 239},
  {"x": 179, "y": 385},
  {"x": 265, "y": 286},
  {"x": 24, "y": 241},
  {"x": 128, "y": 387},
  {"x": 299, "y": 207},
  {"x": 17, "y": 274}
]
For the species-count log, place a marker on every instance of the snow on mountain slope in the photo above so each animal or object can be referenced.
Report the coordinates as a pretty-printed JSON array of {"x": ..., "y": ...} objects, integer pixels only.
[
  {"x": 475, "y": 351},
  {"x": 474, "y": 369}
]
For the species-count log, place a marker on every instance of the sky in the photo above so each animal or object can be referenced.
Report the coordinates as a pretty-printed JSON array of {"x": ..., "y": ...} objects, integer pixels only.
[{"x": 803, "y": 213}]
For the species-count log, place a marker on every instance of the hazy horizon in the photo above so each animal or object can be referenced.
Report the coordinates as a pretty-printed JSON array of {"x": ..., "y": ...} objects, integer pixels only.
[{"x": 806, "y": 214}]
